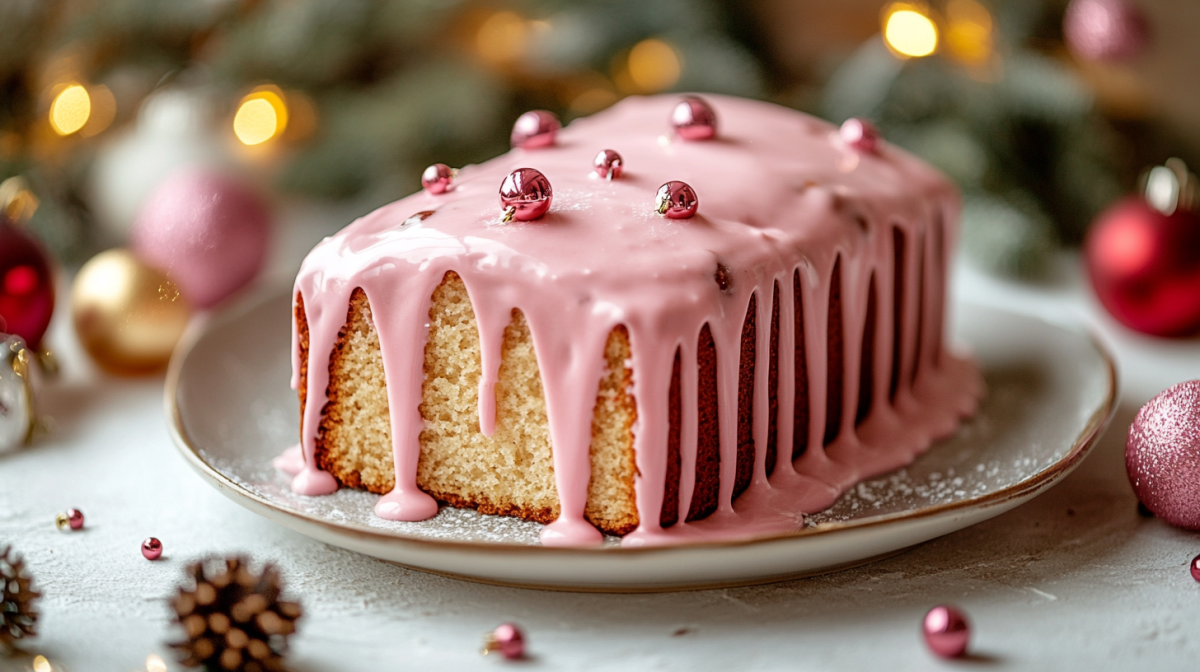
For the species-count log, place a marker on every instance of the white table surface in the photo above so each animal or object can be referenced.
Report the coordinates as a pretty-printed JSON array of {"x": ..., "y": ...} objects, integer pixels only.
[{"x": 1074, "y": 580}]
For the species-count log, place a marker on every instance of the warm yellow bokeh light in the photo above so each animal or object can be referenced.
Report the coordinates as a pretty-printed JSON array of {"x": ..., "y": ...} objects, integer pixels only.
[
  {"x": 40, "y": 664},
  {"x": 653, "y": 65},
  {"x": 909, "y": 32},
  {"x": 261, "y": 115},
  {"x": 501, "y": 38},
  {"x": 70, "y": 109},
  {"x": 155, "y": 663},
  {"x": 969, "y": 35}
]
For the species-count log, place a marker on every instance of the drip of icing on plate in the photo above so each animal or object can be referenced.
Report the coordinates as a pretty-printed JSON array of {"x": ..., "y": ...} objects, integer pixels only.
[{"x": 785, "y": 206}]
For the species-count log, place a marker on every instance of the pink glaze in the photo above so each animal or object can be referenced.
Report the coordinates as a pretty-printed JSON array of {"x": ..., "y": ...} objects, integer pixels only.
[
  {"x": 291, "y": 462},
  {"x": 783, "y": 195}
]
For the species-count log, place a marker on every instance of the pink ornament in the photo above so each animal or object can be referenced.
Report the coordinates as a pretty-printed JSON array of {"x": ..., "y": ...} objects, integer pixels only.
[
  {"x": 1105, "y": 30},
  {"x": 676, "y": 200},
  {"x": 75, "y": 519},
  {"x": 946, "y": 631},
  {"x": 1196, "y": 568},
  {"x": 437, "y": 178},
  {"x": 151, "y": 548},
  {"x": 534, "y": 129},
  {"x": 525, "y": 194},
  {"x": 694, "y": 119},
  {"x": 26, "y": 285},
  {"x": 608, "y": 164},
  {"x": 1162, "y": 455},
  {"x": 207, "y": 231},
  {"x": 506, "y": 639},
  {"x": 860, "y": 134}
]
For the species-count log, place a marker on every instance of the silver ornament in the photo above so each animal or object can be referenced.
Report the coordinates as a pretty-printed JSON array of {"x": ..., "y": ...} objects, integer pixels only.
[{"x": 18, "y": 374}]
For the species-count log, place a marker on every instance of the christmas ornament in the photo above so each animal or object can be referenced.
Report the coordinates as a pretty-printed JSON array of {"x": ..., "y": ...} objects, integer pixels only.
[
  {"x": 676, "y": 200},
  {"x": 207, "y": 231},
  {"x": 608, "y": 164},
  {"x": 128, "y": 315},
  {"x": 506, "y": 639},
  {"x": 1105, "y": 30},
  {"x": 26, "y": 285},
  {"x": 859, "y": 134},
  {"x": 18, "y": 618},
  {"x": 437, "y": 178},
  {"x": 946, "y": 631},
  {"x": 1195, "y": 567},
  {"x": 69, "y": 519},
  {"x": 151, "y": 548},
  {"x": 1143, "y": 256},
  {"x": 233, "y": 619},
  {"x": 535, "y": 129},
  {"x": 1162, "y": 455},
  {"x": 525, "y": 194},
  {"x": 19, "y": 381},
  {"x": 694, "y": 119}
]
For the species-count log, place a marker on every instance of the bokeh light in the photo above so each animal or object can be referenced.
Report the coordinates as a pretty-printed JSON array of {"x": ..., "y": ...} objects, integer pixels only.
[
  {"x": 104, "y": 110},
  {"x": 155, "y": 663},
  {"x": 40, "y": 664},
  {"x": 502, "y": 37},
  {"x": 261, "y": 116},
  {"x": 654, "y": 65},
  {"x": 909, "y": 31},
  {"x": 969, "y": 33},
  {"x": 70, "y": 109}
]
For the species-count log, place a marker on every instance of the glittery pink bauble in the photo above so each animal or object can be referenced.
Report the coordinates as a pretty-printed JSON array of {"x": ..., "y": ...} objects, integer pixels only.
[
  {"x": 946, "y": 631},
  {"x": 676, "y": 200},
  {"x": 437, "y": 178},
  {"x": 1162, "y": 455},
  {"x": 694, "y": 119},
  {"x": 608, "y": 164},
  {"x": 509, "y": 641},
  {"x": 151, "y": 548},
  {"x": 534, "y": 129},
  {"x": 860, "y": 134},
  {"x": 527, "y": 192},
  {"x": 207, "y": 231},
  {"x": 1105, "y": 30},
  {"x": 75, "y": 519},
  {"x": 26, "y": 285},
  {"x": 1196, "y": 568}
]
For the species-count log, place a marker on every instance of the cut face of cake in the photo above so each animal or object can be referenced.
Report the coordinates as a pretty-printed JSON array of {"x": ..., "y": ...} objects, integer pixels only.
[{"x": 721, "y": 335}]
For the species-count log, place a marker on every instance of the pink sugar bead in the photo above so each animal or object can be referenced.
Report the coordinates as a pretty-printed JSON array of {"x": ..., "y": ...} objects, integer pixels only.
[
  {"x": 437, "y": 178},
  {"x": 946, "y": 631},
  {"x": 151, "y": 548},
  {"x": 676, "y": 200},
  {"x": 534, "y": 129},
  {"x": 608, "y": 164},
  {"x": 1196, "y": 568},
  {"x": 75, "y": 519},
  {"x": 525, "y": 194},
  {"x": 694, "y": 119},
  {"x": 860, "y": 134},
  {"x": 508, "y": 640}
]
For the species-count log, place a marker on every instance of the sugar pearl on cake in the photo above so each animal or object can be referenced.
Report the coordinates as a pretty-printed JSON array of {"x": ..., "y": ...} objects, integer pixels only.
[
  {"x": 860, "y": 134},
  {"x": 507, "y": 640},
  {"x": 694, "y": 119},
  {"x": 676, "y": 200},
  {"x": 437, "y": 178},
  {"x": 151, "y": 548},
  {"x": 946, "y": 631},
  {"x": 525, "y": 194},
  {"x": 1195, "y": 567},
  {"x": 608, "y": 164},
  {"x": 534, "y": 129},
  {"x": 72, "y": 518}
]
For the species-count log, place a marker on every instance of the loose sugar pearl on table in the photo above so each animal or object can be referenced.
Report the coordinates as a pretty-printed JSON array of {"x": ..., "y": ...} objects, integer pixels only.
[
  {"x": 151, "y": 548},
  {"x": 694, "y": 119},
  {"x": 946, "y": 631},
  {"x": 1195, "y": 567},
  {"x": 676, "y": 200},
  {"x": 525, "y": 195},
  {"x": 72, "y": 518},
  {"x": 437, "y": 178},
  {"x": 507, "y": 639},
  {"x": 535, "y": 129}
]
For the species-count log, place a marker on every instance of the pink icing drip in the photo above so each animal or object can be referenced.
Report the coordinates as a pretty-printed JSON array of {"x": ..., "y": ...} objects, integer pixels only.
[
  {"x": 601, "y": 258},
  {"x": 291, "y": 462}
]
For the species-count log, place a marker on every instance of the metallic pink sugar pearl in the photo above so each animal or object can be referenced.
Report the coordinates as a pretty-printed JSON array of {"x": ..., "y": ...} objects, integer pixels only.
[
  {"x": 676, "y": 200},
  {"x": 608, "y": 164},
  {"x": 437, "y": 178},
  {"x": 75, "y": 519},
  {"x": 508, "y": 640},
  {"x": 1162, "y": 455},
  {"x": 535, "y": 129},
  {"x": 525, "y": 194},
  {"x": 694, "y": 119},
  {"x": 1196, "y": 568},
  {"x": 860, "y": 134},
  {"x": 946, "y": 631},
  {"x": 151, "y": 548}
]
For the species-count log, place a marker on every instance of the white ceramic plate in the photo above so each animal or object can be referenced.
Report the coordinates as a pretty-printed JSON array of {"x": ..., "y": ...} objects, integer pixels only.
[{"x": 1051, "y": 391}]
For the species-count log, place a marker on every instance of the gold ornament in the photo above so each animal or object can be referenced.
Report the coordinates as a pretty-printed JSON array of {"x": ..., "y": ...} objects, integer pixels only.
[{"x": 128, "y": 315}]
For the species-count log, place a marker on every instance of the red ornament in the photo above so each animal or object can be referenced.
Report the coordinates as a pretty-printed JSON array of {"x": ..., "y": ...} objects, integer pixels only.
[
  {"x": 437, "y": 178},
  {"x": 151, "y": 548},
  {"x": 525, "y": 194},
  {"x": 72, "y": 518},
  {"x": 694, "y": 119},
  {"x": 1196, "y": 568},
  {"x": 535, "y": 129},
  {"x": 676, "y": 200},
  {"x": 507, "y": 639},
  {"x": 860, "y": 134},
  {"x": 608, "y": 164},
  {"x": 946, "y": 631},
  {"x": 26, "y": 285},
  {"x": 1145, "y": 267},
  {"x": 1162, "y": 455},
  {"x": 1105, "y": 30}
]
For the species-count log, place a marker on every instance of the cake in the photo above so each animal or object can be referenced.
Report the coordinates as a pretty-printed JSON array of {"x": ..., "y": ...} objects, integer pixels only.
[{"x": 726, "y": 318}]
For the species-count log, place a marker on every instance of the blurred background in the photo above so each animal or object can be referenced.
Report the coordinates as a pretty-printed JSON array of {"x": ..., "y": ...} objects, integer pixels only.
[{"x": 1043, "y": 116}]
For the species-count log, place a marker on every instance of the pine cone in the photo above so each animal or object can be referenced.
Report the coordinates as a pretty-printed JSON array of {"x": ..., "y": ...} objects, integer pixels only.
[
  {"x": 18, "y": 618},
  {"x": 233, "y": 619}
]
